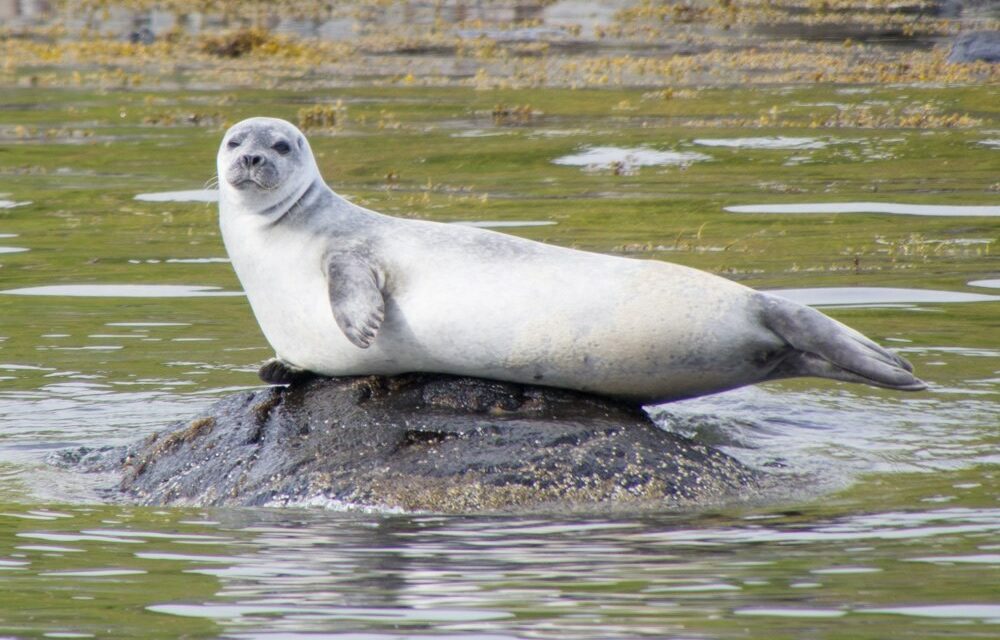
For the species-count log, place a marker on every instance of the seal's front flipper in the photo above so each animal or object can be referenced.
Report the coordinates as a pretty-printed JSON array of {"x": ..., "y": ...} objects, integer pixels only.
[
  {"x": 355, "y": 287},
  {"x": 277, "y": 371}
]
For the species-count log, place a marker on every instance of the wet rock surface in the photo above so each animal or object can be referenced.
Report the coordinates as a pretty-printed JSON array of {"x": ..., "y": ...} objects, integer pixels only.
[
  {"x": 974, "y": 46},
  {"x": 419, "y": 442}
]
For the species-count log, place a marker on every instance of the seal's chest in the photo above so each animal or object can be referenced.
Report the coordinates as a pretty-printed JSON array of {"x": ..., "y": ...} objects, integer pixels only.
[{"x": 284, "y": 282}]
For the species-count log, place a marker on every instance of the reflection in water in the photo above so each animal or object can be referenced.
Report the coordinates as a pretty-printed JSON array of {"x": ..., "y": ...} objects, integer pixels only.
[
  {"x": 148, "y": 324},
  {"x": 984, "y": 558},
  {"x": 992, "y": 283},
  {"x": 197, "y": 260},
  {"x": 628, "y": 159},
  {"x": 281, "y": 574},
  {"x": 774, "y": 142},
  {"x": 481, "y": 133},
  {"x": 92, "y": 573},
  {"x": 123, "y": 291},
  {"x": 877, "y": 296},
  {"x": 796, "y": 612},
  {"x": 498, "y": 224},
  {"x": 871, "y": 207},
  {"x": 986, "y": 612},
  {"x": 194, "y": 195}
]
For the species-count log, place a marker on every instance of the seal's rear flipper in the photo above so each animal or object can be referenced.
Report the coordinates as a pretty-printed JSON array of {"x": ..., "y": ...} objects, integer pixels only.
[{"x": 826, "y": 348}]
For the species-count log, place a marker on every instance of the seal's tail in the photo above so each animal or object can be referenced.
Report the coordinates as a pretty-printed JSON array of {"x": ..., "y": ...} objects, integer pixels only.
[{"x": 823, "y": 347}]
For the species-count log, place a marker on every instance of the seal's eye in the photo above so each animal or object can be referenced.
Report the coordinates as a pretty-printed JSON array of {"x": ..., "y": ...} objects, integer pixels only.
[
  {"x": 281, "y": 147},
  {"x": 232, "y": 144}
]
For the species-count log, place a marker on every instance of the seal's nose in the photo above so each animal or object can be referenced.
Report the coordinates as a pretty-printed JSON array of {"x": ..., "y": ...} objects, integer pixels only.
[{"x": 251, "y": 160}]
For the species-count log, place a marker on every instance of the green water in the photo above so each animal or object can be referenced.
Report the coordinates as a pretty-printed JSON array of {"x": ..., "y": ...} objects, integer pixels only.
[{"x": 896, "y": 535}]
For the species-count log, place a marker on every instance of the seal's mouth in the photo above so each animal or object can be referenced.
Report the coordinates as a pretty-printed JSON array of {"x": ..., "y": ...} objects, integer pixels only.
[
  {"x": 242, "y": 179},
  {"x": 246, "y": 183}
]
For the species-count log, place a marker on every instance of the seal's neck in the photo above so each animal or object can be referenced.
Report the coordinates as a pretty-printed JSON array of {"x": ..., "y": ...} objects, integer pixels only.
[
  {"x": 269, "y": 209},
  {"x": 301, "y": 199}
]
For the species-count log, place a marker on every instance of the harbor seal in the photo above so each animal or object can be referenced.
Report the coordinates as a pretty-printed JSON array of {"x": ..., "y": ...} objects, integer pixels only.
[{"x": 340, "y": 290}]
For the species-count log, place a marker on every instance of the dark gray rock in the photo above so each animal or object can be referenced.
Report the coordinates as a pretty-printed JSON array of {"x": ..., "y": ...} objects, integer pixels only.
[
  {"x": 976, "y": 45},
  {"x": 421, "y": 442},
  {"x": 966, "y": 10}
]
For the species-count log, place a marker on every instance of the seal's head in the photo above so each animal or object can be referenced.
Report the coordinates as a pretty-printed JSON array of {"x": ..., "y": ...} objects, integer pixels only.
[{"x": 263, "y": 162}]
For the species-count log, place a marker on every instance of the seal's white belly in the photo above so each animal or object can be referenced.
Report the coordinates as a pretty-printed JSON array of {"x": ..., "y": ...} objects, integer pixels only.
[{"x": 541, "y": 315}]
